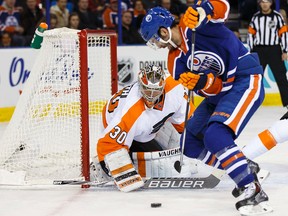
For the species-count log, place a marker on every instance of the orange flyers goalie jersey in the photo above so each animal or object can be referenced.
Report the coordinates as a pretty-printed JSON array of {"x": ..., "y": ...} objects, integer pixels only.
[{"x": 126, "y": 118}]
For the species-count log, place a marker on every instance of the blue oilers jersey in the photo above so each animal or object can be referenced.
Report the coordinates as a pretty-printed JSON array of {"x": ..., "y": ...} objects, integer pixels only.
[{"x": 216, "y": 48}]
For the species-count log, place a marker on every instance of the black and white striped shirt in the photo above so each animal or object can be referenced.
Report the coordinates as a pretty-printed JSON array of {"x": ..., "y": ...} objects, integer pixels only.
[{"x": 268, "y": 30}]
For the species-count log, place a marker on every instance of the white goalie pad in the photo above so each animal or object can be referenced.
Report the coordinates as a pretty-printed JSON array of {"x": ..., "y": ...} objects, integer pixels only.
[
  {"x": 161, "y": 164},
  {"x": 168, "y": 137},
  {"x": 123, "y": 171}
]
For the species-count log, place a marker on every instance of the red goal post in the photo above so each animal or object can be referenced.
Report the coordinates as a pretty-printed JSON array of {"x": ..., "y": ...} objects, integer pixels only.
[
  {"x": 84, "y": 42},
  {"x": 58, "y": 118}
]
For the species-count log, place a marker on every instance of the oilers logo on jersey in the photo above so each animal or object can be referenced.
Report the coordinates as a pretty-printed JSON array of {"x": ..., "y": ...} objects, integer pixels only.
[{"x": 204, "y": 60}]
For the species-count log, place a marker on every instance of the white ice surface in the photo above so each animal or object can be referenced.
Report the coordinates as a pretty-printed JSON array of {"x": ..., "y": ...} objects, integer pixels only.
[{"x": 74, "y": 201}]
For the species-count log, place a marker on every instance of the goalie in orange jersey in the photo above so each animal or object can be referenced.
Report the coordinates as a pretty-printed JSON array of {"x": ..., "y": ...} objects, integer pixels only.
[{"x": 133, "y": 121}]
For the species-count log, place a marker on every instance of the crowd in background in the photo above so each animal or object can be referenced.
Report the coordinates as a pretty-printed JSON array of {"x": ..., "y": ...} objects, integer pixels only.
[{"x": 20, "y": 18}]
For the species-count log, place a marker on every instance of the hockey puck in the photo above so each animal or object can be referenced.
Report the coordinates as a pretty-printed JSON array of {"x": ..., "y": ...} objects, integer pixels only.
[{"x": 156, "y": 205}]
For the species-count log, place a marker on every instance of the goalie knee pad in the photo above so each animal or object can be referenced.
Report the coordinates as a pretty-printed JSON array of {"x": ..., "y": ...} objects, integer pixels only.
[
  {"x": 123, "y": 171},
  {"x": 161, "y": 164}
]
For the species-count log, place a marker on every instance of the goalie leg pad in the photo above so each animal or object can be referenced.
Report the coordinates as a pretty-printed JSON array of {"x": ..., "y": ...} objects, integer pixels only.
[
  {"x": 123, "y": 171},
  {"x": 161, "y": 164}
]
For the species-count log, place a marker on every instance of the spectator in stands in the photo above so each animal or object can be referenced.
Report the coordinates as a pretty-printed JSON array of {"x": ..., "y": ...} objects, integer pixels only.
[
  {"x": 138, "y": 8},
  {"x": 97, "y": 6},
  {"x": 29, "y": 18},
  {"x": 138, "y": 13},
  {"x": 10, "y": 21},
  {"x": 130, "y": 34},
  {"x": 110, "y": 14},
  {"x": 88, "y": 19},
  {"x": 268, "y": 36},
  {"x": 53, "y": 21},
  {"x": 61, "y": 12},
  {"x": 74, "y": 21},
  {"x": 6, "y": 40},
  {"x": 150, "y": 3}
]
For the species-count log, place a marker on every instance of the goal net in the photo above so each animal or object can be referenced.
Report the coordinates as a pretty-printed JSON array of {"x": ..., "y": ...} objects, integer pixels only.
[{"x": 56, "y": 123}]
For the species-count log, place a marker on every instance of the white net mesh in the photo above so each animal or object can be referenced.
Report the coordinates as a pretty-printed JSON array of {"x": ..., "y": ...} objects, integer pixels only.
[{"x": 43, "y": 137}]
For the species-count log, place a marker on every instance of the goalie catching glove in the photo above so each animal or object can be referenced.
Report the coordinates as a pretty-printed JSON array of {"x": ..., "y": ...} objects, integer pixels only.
[
  {"x": 198, "y": 15},
  {"x": 194, "y": 81},
  {"x": 123, "y": 171}
]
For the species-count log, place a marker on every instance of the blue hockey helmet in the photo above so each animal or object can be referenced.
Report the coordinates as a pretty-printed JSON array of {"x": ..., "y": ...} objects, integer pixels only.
[{"x": 155, "y": 18}]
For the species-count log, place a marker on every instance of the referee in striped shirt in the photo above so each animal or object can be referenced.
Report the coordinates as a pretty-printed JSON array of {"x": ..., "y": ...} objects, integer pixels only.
[{"x": 268, "y": 36}]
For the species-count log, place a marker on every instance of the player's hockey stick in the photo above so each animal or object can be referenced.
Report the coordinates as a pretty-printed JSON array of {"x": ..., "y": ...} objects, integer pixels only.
[
  {"x": 208, "y": 182},
  {"x": 178, "y": 164},
  {"x": 78, "y": 182}
]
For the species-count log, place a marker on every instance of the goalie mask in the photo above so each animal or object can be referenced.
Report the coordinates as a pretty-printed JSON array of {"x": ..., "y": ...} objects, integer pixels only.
[
  {"x": 151, "y": 81},
  {"x": 155, "y": 19}
]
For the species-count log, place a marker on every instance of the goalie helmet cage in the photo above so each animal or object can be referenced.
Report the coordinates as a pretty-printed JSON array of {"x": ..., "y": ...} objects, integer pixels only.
[{"x": 58, "y": 117}]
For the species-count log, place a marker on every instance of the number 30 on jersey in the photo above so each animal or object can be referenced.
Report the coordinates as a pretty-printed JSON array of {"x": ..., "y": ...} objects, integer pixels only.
[{"x": 118, "y": 135}]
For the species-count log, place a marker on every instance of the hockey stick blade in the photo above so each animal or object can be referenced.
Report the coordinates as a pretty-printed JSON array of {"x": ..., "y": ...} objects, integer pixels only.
[
  {"x": 69, "y": 182},
  {"x": 208, "y": 182},
  {"x": 177, "y": 166},
  {"x": 78, "y": 182},
  {"x": 182, "y": 183}
]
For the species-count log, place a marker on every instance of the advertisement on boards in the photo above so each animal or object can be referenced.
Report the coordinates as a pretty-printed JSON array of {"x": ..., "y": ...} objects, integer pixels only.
[{"x": 16, "y": 65}]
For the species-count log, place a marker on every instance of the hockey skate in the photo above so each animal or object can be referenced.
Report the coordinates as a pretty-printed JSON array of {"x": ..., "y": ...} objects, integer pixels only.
[
  {"x": 262, "y": 175},
  {"x": 253, "y": 200}
]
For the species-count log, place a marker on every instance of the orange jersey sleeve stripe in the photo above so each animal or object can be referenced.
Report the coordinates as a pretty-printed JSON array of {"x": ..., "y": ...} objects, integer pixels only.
[
  {"x": 282, "y": 30},
  {"x": 234, "y": 124},
  {"x": 141, "y": 164},
  {"x": 251, "y": 30},
  {"x": 122, "y": 169},
  {"x": 230, "y": 160},
  {"x": 107, "y": 144},
  {"x": 210, "y": 80},
  {"x": 267, "y": 139},
  {"x": 220, "y": 9},
  {"x": 216, "y": 87}
]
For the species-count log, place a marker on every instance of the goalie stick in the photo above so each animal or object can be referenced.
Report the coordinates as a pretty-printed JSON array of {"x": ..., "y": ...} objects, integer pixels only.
[{"x": 208, "y": 182}]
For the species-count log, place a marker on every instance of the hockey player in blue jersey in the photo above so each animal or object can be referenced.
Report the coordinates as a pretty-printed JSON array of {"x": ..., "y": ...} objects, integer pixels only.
[{"x": 230, "y": 79}]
